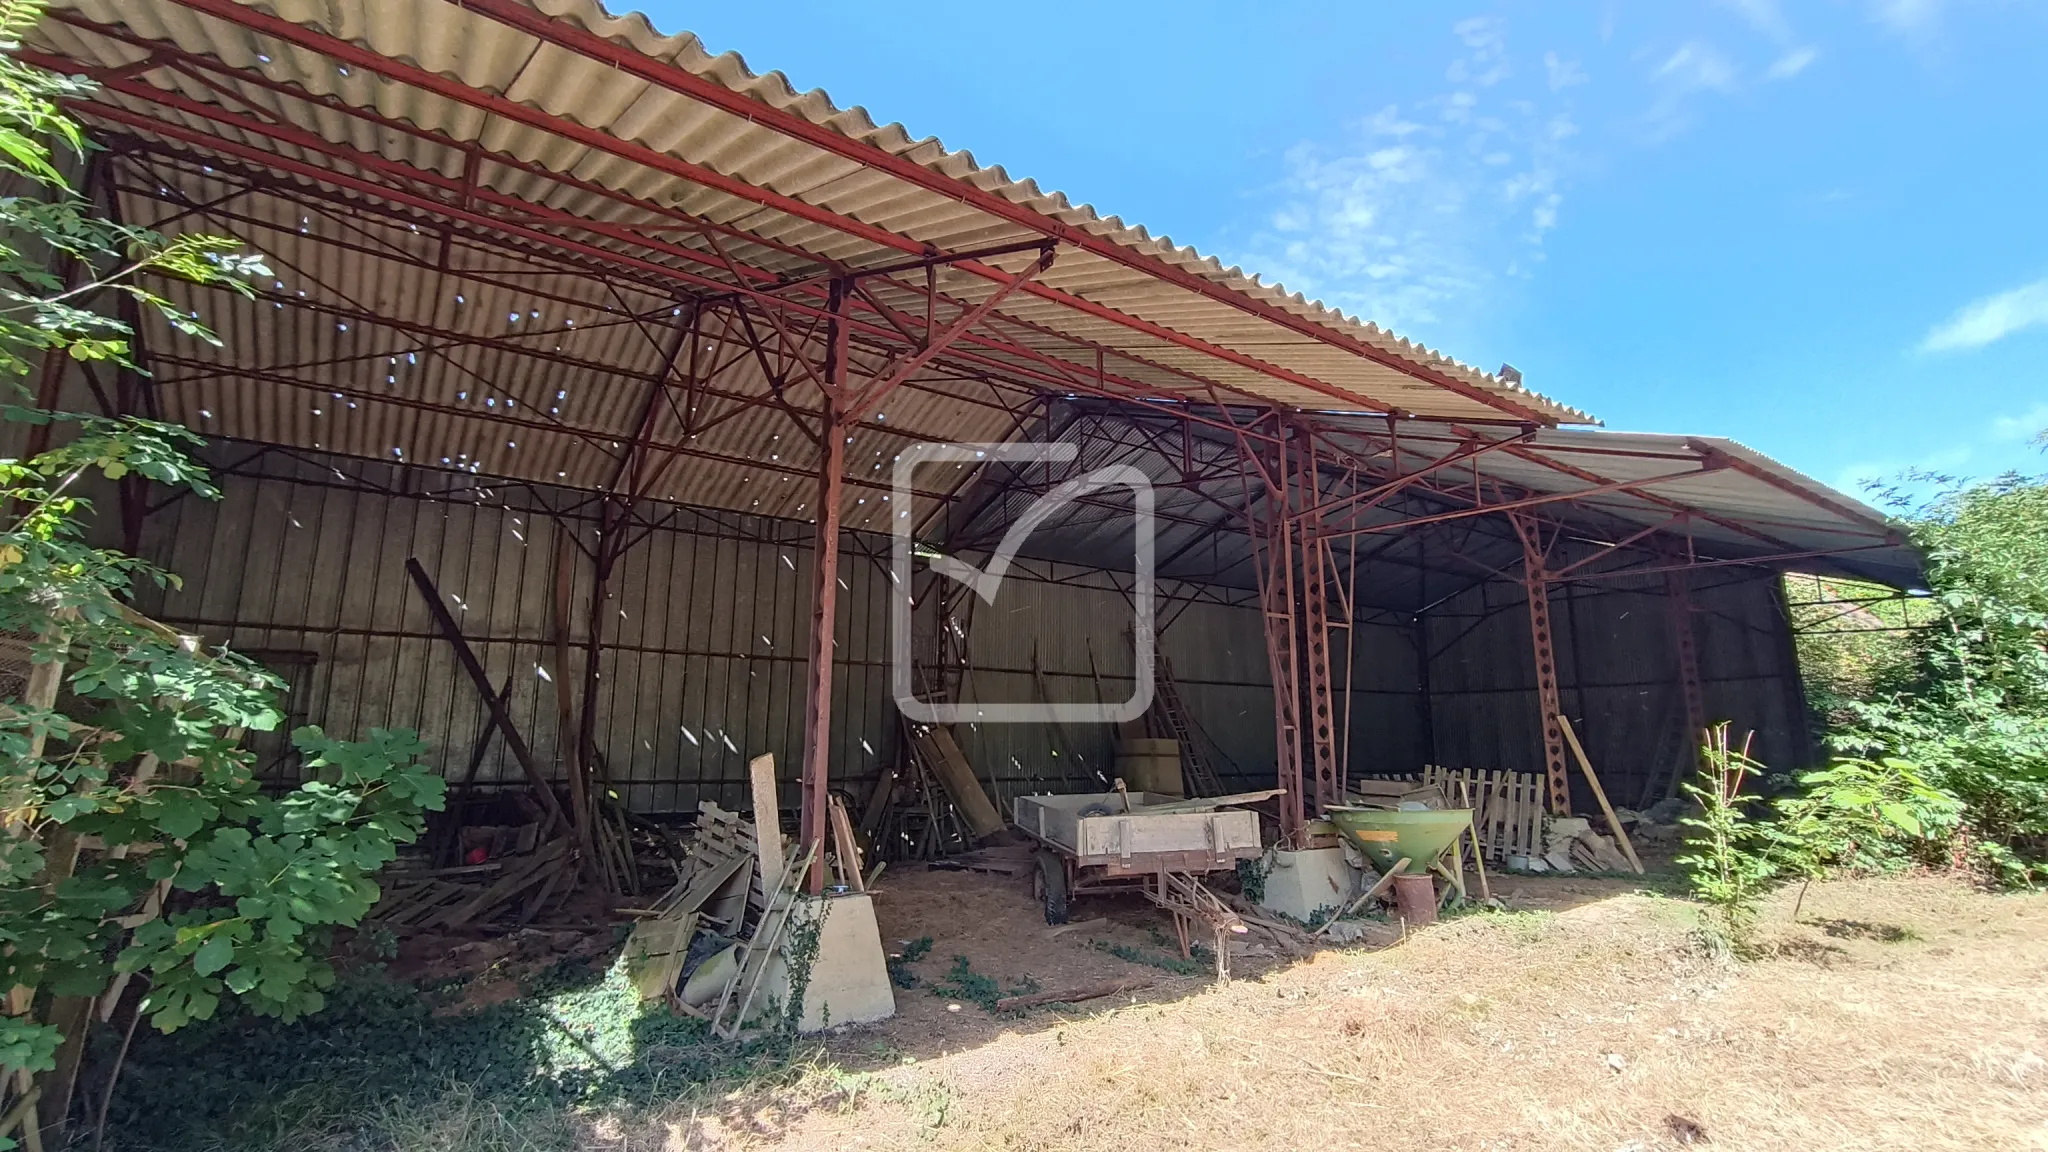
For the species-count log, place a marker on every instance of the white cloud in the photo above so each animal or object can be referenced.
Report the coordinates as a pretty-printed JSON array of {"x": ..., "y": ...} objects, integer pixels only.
[
  {"x": 1487, "y": 62},
  {"x": 1697, "y": 67},
  {"x": 1991, "y": 319},
  {"x": 1791, "y": 64},
  {"x": 1764, "y": 16},
  {"x": 1907, "y": 17},
  {"x": 1426, "y": 204},
  {"x": 2025, "y": 426},
  {"x": 1563, "y": 73}
]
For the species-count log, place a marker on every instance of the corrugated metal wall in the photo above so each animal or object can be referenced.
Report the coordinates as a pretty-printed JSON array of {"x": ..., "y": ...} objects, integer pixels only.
[
  {"x": 303, "y": 565},
  {"x": 1076, "y": 633},
  {"x": 1617, "y": 669},
  {"x": 703, "y": 629}
]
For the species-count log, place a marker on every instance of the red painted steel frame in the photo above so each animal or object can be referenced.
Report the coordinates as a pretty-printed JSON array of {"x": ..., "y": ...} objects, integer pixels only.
[
  {"x": 1325, "y": 787},
  {"x": 675, "y": 78},
  {"x": 1536, "y": 585},
  {"x": 680, "y": 80},
  {"x": 824, "y": 623},
  {"x": 1287, "y": 524},
  {"x": 1685, "y": 644}
]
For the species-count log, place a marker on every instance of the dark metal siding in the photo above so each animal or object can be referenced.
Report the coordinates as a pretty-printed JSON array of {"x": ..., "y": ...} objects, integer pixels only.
[
  {"x": 304, "y": 565},
  {"x": 1618, "y": 675}
]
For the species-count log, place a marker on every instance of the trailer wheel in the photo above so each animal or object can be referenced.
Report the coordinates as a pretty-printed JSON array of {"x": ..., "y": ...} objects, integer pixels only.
[{"x": 1052, "y": 884}]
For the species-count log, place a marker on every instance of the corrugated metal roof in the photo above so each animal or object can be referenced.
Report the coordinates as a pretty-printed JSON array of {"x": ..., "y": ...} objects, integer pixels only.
[
  {"x": 1138, "y": 302},
  {"x": 1731, "y": 504}
]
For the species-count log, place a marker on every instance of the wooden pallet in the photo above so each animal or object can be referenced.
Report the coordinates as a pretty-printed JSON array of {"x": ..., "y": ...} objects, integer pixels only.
[{"x": 1507, "y": 807}]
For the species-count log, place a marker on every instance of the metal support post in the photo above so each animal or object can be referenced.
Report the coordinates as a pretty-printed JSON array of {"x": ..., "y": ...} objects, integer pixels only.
[
  {"x": 1272, "y": 543},
  {"x": 1678, "y": 601},
  {"x": 1536, "y": 583},
  {"x": 824, "y": 601},
  {"x": 1325, "y": 788}
]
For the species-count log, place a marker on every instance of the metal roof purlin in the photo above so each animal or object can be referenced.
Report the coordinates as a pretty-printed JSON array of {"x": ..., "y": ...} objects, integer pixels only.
[
  {"x": 310, "y": 143},
  {"x": 668, "y": 75},
  {"x": 144, "y": 91},
  {"x": 555, "y": 31}
]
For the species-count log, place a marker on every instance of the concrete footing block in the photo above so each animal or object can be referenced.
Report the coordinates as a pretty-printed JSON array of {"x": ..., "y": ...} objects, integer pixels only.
[
  {"x": 849, "y": 978},
  {"x": 1300, "y": 884}
]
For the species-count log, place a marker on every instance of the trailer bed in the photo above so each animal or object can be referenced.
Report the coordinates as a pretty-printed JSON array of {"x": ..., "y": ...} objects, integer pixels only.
[{"x": 1137, "y": 842}]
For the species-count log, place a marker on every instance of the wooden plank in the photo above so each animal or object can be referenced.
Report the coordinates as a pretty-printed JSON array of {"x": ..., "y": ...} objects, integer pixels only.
[
  {"x": 957, "y": 777},
  {"x": 1620, "y": 834},
  {"x": 656, "y": 953},
  {"x": 767, "y": 814},
  {"x": 877, "y": 805},
  {"x": 1532, "y": 817},
  {"x": 514, "y": 742},
  {"x": 1504, "y": 812},
  {"x": 517, "y": 878},
  {"x": 1073, "y": 995},
  {"x": 1478, "y": 853},
  {"x": 1208, "y": 803},
  {"x": 845, "y": 847},
  {"x": 705, "y": 883},
  {"x": 761, "y": 946}
]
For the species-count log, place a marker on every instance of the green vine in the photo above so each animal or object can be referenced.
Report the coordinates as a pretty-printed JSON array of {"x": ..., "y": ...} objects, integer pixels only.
[
  {"x": 1251, "y": 877},
  {"x": 799, "y": 956}
]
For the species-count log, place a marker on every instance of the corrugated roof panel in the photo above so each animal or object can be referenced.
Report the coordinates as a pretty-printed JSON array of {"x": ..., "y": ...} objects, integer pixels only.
[{"x": 490, "y": 56}]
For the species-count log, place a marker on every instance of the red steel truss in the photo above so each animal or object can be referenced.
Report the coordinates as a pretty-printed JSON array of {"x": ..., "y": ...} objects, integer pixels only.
[
  {"x": 1536, "y": 584},
  {"x": 834, "y": 342}
]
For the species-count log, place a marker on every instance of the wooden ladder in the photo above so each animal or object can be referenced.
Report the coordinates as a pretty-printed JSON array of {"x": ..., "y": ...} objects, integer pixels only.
[{"x": 1196, "y": 772}]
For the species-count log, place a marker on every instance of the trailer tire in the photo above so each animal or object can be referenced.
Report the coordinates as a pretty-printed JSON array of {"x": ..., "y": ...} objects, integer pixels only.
[{"x": 1052, "y": 884}]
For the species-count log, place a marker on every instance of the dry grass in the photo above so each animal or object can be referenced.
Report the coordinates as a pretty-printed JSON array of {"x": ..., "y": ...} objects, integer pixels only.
[{"x": 1909, "y": 1013}]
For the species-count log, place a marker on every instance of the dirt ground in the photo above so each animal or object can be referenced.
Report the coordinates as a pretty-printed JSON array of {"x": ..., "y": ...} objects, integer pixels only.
[{"x": 1901, "y": 1013}]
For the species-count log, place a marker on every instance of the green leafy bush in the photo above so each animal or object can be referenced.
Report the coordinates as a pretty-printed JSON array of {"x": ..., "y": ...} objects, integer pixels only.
[
  {"x": 136, "y": 842},
  {"x": 1970, "y": 710},
  {"x": 1726, "y": 863},
  {"x": 1854, "y": 814}
]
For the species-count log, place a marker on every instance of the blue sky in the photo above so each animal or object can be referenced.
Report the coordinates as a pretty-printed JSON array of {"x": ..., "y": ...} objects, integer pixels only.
[{"x": 1819, "y": 228}]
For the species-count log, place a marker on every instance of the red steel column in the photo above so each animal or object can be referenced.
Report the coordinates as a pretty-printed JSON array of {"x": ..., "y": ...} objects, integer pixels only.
[
  {"x": 1678, "y": 600},
  {"x": 1273, "y": 547},
  {"x": 1536, "y": 583},
  {"x": 1324, "y": 789},
  {"x": 824, "y": 599}
]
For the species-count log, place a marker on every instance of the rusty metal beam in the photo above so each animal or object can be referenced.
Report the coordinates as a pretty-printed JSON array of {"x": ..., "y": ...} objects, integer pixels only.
[
  {"x": 1685, "y": 647},
  {"x": 529, "y": 214},
  {"x": 547, "y": 28},
  {"x": 817, "y": 756},
  {"x": 1319, "y": 713},
  {"x": 1526, "y": 503},
  {"x": 1537, "y": 587}
]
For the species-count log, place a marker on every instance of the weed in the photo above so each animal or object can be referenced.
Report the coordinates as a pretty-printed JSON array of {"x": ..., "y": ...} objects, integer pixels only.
[
  {"x": 899, "y": 964},
  {"x": 384, "y": 1054},
  {"x": 1202, "y": 959},
  {"x": 1251, "y": 879},
  {"x": 962, "y": 982}
]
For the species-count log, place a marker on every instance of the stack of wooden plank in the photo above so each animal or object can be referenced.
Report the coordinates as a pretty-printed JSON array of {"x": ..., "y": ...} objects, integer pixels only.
[
  {"x": 503, "y": 893},
  {"x": 717, "y": 890},
  {"x": 1507, "y": 807},
  {"x": 928, "y": 805}
]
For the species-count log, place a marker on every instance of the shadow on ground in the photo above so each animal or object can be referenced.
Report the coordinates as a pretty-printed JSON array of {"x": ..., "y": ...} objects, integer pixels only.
[{"x": 528, "y": 1031}]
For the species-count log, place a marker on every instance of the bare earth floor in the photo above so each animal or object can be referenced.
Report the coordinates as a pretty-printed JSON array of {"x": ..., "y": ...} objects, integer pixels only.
[{"x": 1904, "y": 1013}]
